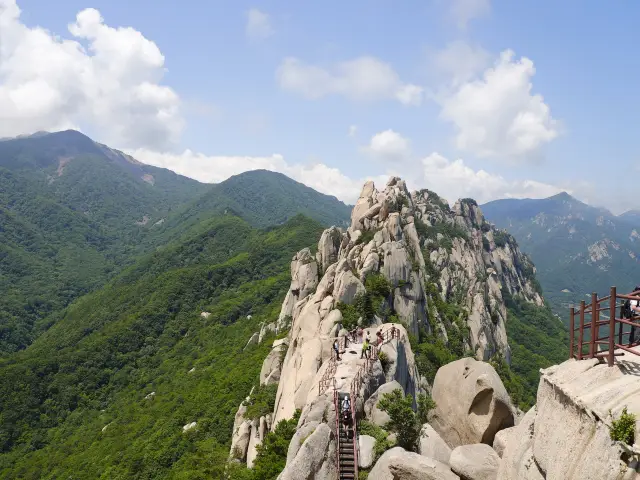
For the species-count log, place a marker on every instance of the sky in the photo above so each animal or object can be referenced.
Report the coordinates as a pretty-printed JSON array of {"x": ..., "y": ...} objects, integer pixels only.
[{"x": 471, "y": 98}]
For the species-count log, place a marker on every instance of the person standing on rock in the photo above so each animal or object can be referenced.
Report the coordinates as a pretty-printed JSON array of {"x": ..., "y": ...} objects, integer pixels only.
[
  {"x": 365, "y": 348},
  {"x": 393, "y": 331},
  {"x": 336, "y": 348},
  {"x": 380, "y": 337}
]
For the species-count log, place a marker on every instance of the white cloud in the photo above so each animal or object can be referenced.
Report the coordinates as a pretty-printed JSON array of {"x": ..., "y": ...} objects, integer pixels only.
[
  {"x": 353, "y": 129},
  {"x": 362, "y": 79},
  {"x": 454, "y": 179},
  {"x": 497, "y": 115},
  {"x": 463, "y": 11},
  {"x": 258, "y": 25},
  {"x": 214, "y": 169},
  {"x": 389, "y": 145},
  {"x": 51, "y": 83},
  {"x": 460, "y": 61}
]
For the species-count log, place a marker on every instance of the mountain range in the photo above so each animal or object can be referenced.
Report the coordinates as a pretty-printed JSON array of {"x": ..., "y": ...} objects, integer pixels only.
[
  {"x": 577, "y": 248},
  {"x": 128, "y": 295},
  {"x": 74, "y": 212}
]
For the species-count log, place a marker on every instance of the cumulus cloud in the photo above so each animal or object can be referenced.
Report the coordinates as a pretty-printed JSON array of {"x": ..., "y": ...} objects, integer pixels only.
[
  {"x": 459, "y": 62},
  {"x": 214, "y": 169},
  {"x": 497, "y": 115},
  {"x": 362, "y": 79},
  {"x": 454, "y": 179},
  {"x": 388, "y": 145},
  {"x": 463, "y": 11},
  {"x": 51, "y": 83},
  {"x": 258, "y": 25}
]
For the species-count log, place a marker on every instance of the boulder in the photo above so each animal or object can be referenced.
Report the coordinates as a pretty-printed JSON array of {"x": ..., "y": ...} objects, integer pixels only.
[
  {"x": 501, "y": 439},
  {"x": 316, "y": 458},
  {"x": 328, "y": 247},
  {"x": 432, "y": 446},
  {"x": 398, "y": 464},
  {"x": 371, "y": 410},
  {"x": 517, "y": 457},
  {"x": 367, "y": 454},
  {"x": 475, "y": 462},
  {"x": 472, "y": 404}
]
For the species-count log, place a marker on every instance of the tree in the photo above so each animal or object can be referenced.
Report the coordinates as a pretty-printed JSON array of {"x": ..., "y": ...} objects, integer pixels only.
[{"x": 403, "y": 420}]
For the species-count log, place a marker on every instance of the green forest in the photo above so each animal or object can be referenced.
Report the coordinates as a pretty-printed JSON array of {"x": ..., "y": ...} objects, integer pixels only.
[{"x": 143, "y": 333}]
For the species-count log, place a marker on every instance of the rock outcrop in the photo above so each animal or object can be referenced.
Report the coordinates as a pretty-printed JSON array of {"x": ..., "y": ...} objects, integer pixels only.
[
  {"x": 472, "y": 405},
  {"x": 475, "y": 462},
  {"x": 398, "y": 464},
  {"x": 316, "y": 458},
  {"x": 567, "y": 435},
  {"x": 371, "y": 410},
  {"x": 432, "y": 446},
  {"x": 412, "y": 252}
]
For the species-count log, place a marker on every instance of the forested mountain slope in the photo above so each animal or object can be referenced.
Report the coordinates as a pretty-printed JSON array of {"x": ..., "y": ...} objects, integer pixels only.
[
  {"x": 577, "y": 248},
  {"x": 143, "y": 333},
  {"x": 74, "y": 212}
]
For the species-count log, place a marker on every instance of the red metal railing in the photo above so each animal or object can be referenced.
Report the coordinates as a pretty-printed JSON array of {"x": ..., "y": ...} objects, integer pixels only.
[
  {"x": 336, "y": 406},
  {"x": 612, "y": 326}
]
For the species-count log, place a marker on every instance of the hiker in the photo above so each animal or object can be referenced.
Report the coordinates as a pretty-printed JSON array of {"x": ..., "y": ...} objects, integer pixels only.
[
  {"x": 346, "y": 404},
  {"x": 346, "y": 414},
  {"x": 365, "y": 348},
  {"x": 635, "y": 304},
  {"x": 380, "y": 337},
  {"x": 630, "y": 309},
  {"x": 393, "y": 331},
  {"x": 336, "y": 348},
  {"x": 354, "y": 335}
]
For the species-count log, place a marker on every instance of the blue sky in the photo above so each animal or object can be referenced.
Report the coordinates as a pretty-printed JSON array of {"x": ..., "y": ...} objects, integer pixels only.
[{"x": 210, "y": 89}]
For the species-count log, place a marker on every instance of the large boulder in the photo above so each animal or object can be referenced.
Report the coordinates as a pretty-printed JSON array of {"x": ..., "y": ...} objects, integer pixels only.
[
  {"x": 398, "y": 464},
  {"x": 432, "y": 446},
  {"x": 367, "y": 454},
  {"x": 472, "y": 404},
  {"x": 371, "y": 409},
  {"x": 517, "y": 457},
  {"x": 475, "y": 462},
  {"x": 316, "y": 458},
  {"x": 501, "y": 440},
  {"x": 328, "y": 247}
]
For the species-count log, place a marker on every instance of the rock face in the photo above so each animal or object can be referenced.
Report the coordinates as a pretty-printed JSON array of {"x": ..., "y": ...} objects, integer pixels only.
[
  {"x": 271, "y": 366},
  {"x": 366, "y": 455},
  {"x": 316, "y": 458},
  {"x": 566, "y": 435},
  {"x": 472, "y": 405},
  {"x": 398, "y": 464},
  {"x": 371, "y": 410},
  {"x": 475, "y": 462},
  {"x": 432, "y": 445}
]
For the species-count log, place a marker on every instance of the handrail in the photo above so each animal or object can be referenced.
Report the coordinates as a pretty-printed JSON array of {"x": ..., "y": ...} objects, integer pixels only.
[
  {"x": 337, "y": 410},
  {"x": 594, "y": 326}
]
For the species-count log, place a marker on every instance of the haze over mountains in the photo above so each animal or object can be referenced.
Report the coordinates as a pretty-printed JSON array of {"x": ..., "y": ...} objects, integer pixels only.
[
  {"x": 576, "y": 248},
  {"x": 75, "y": 212}
]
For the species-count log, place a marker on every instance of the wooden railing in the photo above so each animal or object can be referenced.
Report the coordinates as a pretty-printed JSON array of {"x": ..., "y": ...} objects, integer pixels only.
[{"x": 598, "y": 317}]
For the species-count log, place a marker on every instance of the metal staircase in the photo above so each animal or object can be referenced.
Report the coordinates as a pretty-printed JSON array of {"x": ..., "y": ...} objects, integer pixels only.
[{"x": 347, "y": 441}]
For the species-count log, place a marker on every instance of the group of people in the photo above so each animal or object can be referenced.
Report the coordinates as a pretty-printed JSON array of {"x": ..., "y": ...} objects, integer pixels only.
[{"x": 356, "y": 336}]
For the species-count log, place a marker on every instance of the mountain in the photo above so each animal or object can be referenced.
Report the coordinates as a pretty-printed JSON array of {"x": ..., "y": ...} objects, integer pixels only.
[
  {"x": 631, "y": 216},
  {"x": 577, "y": 248},
  {"x": 108, "y": 389},
  {"x": 262, "y": 198},
  {"x": 75, "y": 212}
]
